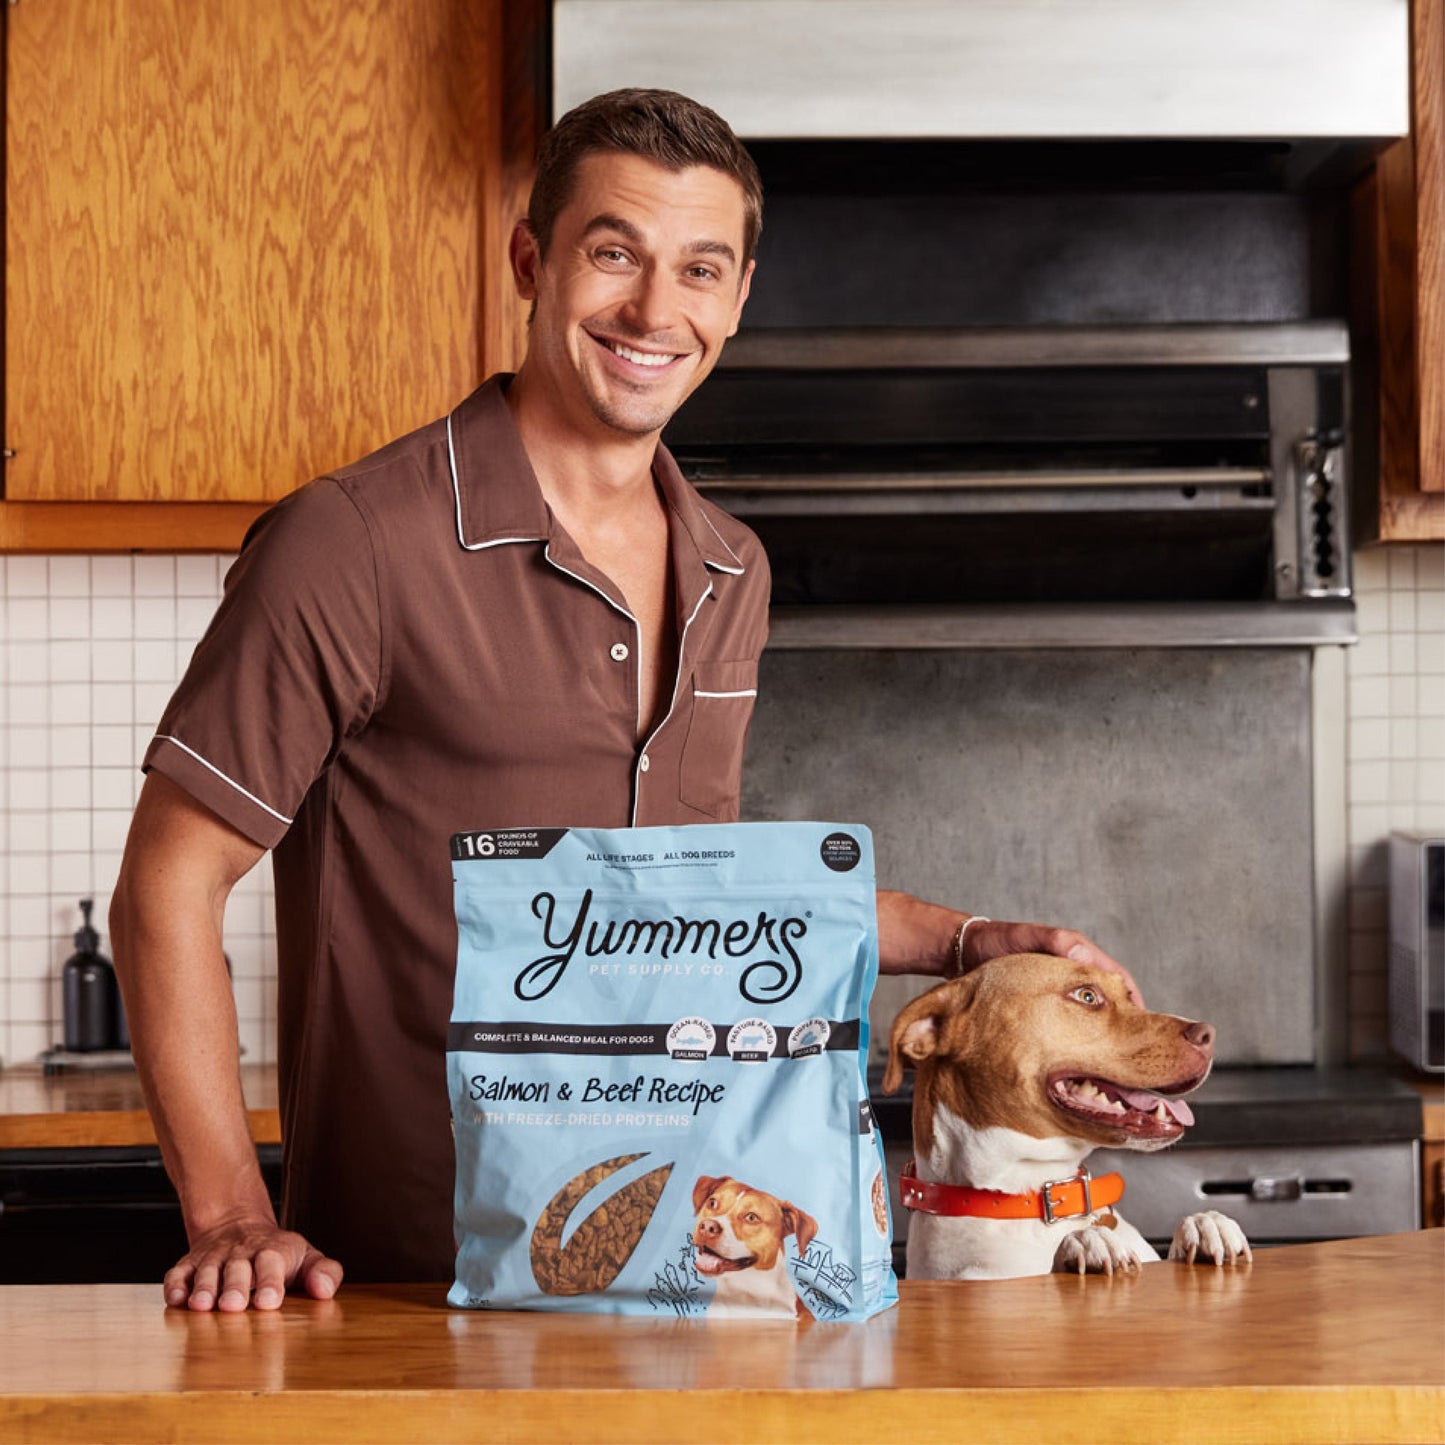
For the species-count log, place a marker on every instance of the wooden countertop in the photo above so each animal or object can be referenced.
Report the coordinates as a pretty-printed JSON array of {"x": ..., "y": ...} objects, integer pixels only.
[
  {"x": 80, "y": 1110},
  {"x": 1322, "y": 1342}
]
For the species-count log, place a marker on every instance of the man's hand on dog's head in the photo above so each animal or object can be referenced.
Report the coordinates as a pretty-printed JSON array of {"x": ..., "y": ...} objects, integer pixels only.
[
  {"x": 919, "y": 937},
  {"x": 996, "y": 939}
]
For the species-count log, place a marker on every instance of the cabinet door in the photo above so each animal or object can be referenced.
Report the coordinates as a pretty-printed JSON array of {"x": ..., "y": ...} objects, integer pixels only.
[
  {"x": 244, "y": 240},
  {"x": 1399, "y": 249}
]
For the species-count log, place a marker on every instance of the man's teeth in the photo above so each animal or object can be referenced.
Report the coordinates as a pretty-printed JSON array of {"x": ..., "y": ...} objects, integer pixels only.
[{"x": 641, "y": 358}]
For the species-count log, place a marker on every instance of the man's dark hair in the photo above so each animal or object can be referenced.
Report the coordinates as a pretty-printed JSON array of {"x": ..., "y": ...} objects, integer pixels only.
[{"x": 658, "y": 125}]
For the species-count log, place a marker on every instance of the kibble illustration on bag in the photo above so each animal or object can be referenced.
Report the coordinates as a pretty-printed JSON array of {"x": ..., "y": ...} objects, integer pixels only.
[{"x": 656, "y": 1065}]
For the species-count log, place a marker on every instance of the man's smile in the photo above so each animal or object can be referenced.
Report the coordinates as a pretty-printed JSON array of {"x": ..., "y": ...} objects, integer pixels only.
[{"x": 635, "y": 356}]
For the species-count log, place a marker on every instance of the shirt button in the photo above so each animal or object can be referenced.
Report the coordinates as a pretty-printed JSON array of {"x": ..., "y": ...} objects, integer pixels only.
[
  {"x": 644, "y": 762},
  {"x": 619, "y": 652}
]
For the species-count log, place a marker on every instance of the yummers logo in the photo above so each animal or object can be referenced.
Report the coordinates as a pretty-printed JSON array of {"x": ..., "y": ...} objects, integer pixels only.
[{"x": 769, "y": 979}]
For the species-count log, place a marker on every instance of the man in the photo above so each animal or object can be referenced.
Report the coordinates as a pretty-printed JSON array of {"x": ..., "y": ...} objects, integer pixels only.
[{"x": 518, "y": 615}]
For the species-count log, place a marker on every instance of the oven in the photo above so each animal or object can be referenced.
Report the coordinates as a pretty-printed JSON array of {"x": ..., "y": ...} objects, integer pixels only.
[{"x": 946, "y": 467}]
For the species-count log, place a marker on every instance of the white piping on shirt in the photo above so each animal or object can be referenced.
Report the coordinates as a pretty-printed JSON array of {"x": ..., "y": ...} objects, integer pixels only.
[
  {"x": 744, "y": 692},
  {"x": 676, "y": 685},
  {"x": 616, "y": 607},
  {"x": 457, "y": 493},
  {"x": 735, "y": 571},
  {"x": 547, "y": 552},
  {"x": 191, "y": 752}
]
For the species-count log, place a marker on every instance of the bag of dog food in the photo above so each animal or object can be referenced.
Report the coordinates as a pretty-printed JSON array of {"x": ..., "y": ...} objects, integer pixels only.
[{"x": 656, "y": 1063}]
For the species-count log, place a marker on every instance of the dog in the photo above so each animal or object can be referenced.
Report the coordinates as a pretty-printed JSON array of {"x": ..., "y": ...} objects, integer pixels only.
[
  {"x": 738, "y": 1241},
  {"x": 1023, "y": 1068}
]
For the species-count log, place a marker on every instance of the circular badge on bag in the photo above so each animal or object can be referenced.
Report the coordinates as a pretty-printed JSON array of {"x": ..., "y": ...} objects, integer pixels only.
[
  {"x": 752, "y": 1040},
  {"x": 809, "y": 1038},
  {"x": 691, "y": 1038},
  {"x": 840, "y": 852}
]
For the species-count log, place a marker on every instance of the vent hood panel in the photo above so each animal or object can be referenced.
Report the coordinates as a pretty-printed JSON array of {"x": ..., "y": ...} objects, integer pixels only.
[{"x": 1003, "y": 69}]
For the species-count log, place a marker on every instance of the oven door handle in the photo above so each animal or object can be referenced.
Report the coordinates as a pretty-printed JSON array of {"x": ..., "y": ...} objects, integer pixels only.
[
  {"x": 1267, "y": 1190},
  {"x": 1276, "y": 1189}
]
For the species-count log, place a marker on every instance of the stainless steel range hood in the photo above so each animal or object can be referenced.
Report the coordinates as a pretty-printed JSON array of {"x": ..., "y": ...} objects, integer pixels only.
[{"x": 1003, "y": 69}]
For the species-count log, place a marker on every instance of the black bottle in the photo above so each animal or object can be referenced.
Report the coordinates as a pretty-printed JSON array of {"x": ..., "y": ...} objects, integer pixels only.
[{"x": 92, "y": 1000}]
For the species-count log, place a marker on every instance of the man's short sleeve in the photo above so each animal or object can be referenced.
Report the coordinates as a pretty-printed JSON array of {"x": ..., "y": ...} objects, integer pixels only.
[{"x": 290, "y": 665}]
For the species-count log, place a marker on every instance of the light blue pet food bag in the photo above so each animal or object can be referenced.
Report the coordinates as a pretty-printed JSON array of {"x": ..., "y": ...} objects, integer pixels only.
[{"x": 656, "y": 1064}]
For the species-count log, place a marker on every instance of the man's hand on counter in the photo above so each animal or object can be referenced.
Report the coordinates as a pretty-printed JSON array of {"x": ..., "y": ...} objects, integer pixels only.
[{"x": 249, "y": 1262}]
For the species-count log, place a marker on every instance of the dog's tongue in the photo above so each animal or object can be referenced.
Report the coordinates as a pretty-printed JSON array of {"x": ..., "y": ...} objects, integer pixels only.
[
  {"x": 1147, "y": 1102},
  {"x": 706, "y": 1262}
]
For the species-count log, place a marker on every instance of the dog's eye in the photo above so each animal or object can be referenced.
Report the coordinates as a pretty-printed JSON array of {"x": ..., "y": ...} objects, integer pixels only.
[
  {"x": 1089, "y": 997},
  {"x": 712, "y": 1202},
  {"x": 752, "y": 1218}
]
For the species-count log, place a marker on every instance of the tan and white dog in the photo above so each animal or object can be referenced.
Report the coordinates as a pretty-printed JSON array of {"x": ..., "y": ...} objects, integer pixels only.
[
  {"x": 1024, "y": 1067},
  {"x": 738, "y": 1241}
]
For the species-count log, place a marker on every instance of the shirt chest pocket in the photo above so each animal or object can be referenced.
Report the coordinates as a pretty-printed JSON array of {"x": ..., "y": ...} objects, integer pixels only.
[{"x": 723, "y": 694}]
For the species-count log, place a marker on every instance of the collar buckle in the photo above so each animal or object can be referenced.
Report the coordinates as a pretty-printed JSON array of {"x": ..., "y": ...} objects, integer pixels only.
[{"x": 1048, "y": 1203}]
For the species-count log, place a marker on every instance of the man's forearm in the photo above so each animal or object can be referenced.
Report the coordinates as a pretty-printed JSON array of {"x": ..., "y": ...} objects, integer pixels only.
[
  {"x": 166, "y": 916},
  {"x": 914, "y": 936},
  {"x": 182, "y": 1019},
  {"x": 181, "y": 863}
]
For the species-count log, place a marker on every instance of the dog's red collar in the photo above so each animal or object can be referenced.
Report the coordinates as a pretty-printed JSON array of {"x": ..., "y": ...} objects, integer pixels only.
[{"x": 1058, "y": 1199}]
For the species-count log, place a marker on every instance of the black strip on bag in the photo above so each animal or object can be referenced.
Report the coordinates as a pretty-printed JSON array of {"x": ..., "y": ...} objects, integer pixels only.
[{"x": 544, "y": 1038}]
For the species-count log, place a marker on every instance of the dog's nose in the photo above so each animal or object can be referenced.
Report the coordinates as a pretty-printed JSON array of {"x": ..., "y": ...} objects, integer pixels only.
[
  {"x": 1200, "y": 1035},
  {"x": 709, "y": 1227}
]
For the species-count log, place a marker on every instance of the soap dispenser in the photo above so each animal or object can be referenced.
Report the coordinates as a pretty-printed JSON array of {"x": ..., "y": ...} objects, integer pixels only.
[{"x": 92, "y": 999}]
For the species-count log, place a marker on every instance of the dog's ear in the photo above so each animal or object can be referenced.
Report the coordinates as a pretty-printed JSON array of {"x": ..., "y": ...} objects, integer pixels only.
[
  {"x": 917, "y": 1029},
  {"x": 704, "y": 1186},
  {"x": 798, "y": 1222}
]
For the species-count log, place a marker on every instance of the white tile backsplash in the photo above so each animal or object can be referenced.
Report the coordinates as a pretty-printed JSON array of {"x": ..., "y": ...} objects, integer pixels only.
[
  {"x": 92, "y": 648},
  {"x": 94, "y": 645},
  {"x": 1396, "y": 772}
]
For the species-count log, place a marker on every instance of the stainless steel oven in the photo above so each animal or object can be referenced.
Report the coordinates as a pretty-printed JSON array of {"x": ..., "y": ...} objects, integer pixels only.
[{"x": 890, "y": 468}]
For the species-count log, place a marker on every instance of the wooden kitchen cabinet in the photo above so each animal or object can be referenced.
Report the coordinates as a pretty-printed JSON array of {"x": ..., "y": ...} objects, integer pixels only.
[
  {"x": 1432, "y": 1151},
  {"x": 247, "y": 244},
  {"x": 1399, "y": 247}
]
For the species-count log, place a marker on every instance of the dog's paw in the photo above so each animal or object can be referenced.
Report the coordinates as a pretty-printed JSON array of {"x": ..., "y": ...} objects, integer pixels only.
[
  {"x": 1092, "y": 1250},
  {"x": 1210, "y": 1238}
]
